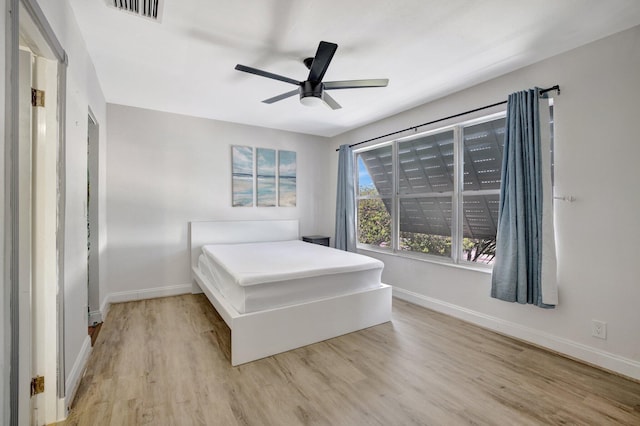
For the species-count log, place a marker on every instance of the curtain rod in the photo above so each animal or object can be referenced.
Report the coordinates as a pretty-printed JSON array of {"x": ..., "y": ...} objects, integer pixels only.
[{"x": 542, "y": 92}]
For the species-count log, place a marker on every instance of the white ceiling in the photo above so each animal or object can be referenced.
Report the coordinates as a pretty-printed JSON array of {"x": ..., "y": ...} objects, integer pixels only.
[{"x": 427, "y": 48}]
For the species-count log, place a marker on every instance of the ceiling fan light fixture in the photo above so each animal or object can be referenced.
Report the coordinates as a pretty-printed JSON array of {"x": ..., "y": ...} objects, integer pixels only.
[{"x": 311, "y": 101}]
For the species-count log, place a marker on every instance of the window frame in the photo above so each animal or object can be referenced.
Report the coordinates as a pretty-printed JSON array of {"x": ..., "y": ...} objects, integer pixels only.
[{"x": 457, "y": 194}]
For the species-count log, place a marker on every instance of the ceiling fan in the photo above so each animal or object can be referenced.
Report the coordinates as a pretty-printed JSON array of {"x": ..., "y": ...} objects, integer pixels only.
[{"x": 312, "y": 90}]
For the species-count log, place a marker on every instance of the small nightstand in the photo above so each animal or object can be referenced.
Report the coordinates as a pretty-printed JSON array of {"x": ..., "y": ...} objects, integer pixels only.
[{"x": 317, "y": 239}]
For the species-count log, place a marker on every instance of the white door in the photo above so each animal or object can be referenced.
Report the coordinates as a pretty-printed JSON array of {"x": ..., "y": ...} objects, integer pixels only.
[
  {"x": 37, "y": 219},
  {"x": 25, "y": 402},
  {"x": 44, "y": 146}
]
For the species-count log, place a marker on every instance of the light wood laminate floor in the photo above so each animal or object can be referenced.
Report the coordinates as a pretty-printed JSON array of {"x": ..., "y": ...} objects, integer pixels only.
[{"x": 158, "y": 362}]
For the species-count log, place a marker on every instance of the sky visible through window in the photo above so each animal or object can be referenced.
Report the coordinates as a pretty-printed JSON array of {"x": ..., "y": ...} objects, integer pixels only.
[{"x": 364, "y": 179}]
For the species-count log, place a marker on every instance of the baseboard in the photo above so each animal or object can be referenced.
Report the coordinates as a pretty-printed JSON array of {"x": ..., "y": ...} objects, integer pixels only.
[
  {"x": 151, "y": 293},
  {"x": 617, "y": 364},
  {"x": 61, "y": 409},
  {"x": 104, "y": 308},
  {"x": 95, "y": 317},
  {"x": 73, "y": 381}
]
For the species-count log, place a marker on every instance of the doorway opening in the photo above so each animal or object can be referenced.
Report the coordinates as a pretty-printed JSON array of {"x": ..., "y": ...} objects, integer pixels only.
[{"x": 93, "y": 236}]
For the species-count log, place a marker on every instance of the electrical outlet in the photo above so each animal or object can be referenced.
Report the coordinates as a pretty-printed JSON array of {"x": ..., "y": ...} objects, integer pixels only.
[{"x": 599, "y": 329}]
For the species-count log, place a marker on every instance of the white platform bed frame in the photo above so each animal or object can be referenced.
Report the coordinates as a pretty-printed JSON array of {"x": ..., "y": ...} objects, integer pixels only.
[{"x": 261, "y": 334}]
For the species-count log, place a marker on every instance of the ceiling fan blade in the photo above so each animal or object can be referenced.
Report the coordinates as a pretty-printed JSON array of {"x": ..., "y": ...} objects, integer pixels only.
[
  {"x": 282, "y": 96},
  {"x": 261, "y": 73},
  {"x": 355, "y": 84},
  {"x": 330, "y": 101},
  {"x": 321, "y": 61}
]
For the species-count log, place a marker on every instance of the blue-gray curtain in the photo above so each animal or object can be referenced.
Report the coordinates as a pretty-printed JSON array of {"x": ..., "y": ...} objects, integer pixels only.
[
  {"x": 517, "y": 271},
  {"x": 345, "y": 238}
]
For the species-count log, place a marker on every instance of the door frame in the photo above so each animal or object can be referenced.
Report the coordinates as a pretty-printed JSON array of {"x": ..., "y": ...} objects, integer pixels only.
[
  {"x": 93, "y": 217},
  {"x": 44, "y": 35}
]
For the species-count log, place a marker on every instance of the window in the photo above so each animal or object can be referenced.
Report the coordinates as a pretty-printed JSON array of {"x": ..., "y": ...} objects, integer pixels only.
[{"x": 434, "y": 194}]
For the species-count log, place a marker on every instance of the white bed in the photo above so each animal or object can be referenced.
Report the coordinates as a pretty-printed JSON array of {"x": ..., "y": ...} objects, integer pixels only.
[{"x": 324, "y": 295}]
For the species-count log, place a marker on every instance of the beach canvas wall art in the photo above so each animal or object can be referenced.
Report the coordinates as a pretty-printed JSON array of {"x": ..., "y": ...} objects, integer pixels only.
[
  {"x": 266, "y": 177},
  {"x": 263, "y": 177},
  {"x": 242, "y": 176},
  {"x": 287, "y": 178}
]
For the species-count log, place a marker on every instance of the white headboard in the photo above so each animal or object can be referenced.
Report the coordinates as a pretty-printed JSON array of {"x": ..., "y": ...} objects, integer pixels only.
[{"x": 239, "y": 231}]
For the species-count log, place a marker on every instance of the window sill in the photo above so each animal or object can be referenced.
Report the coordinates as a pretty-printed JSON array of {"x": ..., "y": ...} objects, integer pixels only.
[{"x": 433, "y": 260}]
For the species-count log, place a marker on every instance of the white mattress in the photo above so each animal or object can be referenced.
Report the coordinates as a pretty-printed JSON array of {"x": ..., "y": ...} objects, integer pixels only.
[{"x": 258, "y": 276}]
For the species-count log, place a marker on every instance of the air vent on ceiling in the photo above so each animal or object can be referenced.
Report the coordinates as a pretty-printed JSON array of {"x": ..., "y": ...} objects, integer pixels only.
[{"x": 151, "y": 9}]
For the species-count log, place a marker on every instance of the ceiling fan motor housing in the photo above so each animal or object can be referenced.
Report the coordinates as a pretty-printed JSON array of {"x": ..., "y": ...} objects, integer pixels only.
[{"x": 311, "y": 89}]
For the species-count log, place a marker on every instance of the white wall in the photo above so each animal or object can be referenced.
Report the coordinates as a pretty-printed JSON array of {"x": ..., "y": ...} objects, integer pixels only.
[
  {"x": 83, "y": 91},
  {"x": 596, "y": 152},
  {"x": 165, "y": 170}
]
